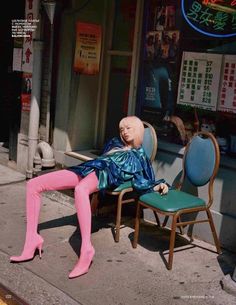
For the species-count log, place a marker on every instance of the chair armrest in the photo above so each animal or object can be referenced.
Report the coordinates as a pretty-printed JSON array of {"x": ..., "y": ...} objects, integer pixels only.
[{"x": 78, "y": 156}]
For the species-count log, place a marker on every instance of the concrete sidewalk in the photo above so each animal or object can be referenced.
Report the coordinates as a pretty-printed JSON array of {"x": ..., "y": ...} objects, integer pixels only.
[
  {"x": 119, "y": 274},
  {"x": 8, "y": 175}
]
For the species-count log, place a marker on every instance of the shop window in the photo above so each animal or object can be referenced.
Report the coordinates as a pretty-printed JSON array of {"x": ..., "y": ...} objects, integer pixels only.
[{"x": 187, "y": 80}]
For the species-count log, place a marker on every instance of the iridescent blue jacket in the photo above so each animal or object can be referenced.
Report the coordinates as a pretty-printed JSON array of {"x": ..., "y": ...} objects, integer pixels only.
[{"x": 121, "y": 166}]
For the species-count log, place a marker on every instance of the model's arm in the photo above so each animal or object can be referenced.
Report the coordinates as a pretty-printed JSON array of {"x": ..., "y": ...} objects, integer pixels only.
[{"x": 145, "y": 181}]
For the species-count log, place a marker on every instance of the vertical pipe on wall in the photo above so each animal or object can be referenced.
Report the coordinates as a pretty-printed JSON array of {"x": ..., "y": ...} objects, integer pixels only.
[
  {"x": 35, "y": 106},
  {"x": 50, "y": 8},
  {"x": 49, "y": 82}
]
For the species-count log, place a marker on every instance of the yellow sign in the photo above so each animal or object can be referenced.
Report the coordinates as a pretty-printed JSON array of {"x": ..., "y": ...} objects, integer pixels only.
[{"x": 88, "y": 48}]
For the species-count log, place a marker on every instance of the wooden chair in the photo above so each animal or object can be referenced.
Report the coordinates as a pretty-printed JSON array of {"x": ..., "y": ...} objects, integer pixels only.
[{"x": 200, "y": 166}]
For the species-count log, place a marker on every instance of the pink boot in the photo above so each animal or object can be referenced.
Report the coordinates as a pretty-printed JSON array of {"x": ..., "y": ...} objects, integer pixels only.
[
  {"x": 87, "y": 186},
  {"x": 57, "y": 180},
  {"x": 31, "y": 245},
  {"x": 83, "y": 264},
  {"x": 33, "y": 240}
]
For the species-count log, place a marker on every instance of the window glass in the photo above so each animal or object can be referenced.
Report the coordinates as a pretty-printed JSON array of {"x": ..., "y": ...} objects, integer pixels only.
[
  {"x": 124, "y": 22},
  {"x": 187, "y": 80}
]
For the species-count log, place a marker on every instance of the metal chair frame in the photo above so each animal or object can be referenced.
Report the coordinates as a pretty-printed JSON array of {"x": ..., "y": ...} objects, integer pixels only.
[{"x": 176, "y": 222}]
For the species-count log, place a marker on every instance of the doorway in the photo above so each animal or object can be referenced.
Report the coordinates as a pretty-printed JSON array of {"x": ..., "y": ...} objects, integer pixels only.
[
  {"x": 120, "y": 64},
  {"x": 10, "y": 81}
]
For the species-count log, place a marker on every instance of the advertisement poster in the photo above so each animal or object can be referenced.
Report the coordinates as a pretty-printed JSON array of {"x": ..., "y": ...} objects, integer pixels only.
[
  {"x": 162, "y": 46},
  {"x": 161, "y": 15},
  {"x": 158, "y": 82},
  {"x": 164, "y": 17},
  {"x": 199, "y": 80},
  {"x": 88, "y": 48},
  {"x": 227, "y": 95},
  {"x": 26, "y": 91},
  {"x": 161, "y": 53}
]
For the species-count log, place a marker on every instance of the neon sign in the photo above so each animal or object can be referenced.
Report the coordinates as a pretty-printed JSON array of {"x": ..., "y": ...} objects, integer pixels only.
[{"x": 216, "y": 18}]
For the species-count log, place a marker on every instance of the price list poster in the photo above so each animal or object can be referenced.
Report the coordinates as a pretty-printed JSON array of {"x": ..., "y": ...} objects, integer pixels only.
[
  {"x": 227, "y": 95},
  {"x": 199, "y": 80}
]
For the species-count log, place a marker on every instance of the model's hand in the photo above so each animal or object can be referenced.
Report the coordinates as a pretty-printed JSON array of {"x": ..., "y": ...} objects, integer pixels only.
[{"x": 162, "y": 188}]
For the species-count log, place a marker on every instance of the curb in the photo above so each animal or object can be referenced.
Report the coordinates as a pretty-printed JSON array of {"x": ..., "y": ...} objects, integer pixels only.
[{"x": 30, "y": 287}]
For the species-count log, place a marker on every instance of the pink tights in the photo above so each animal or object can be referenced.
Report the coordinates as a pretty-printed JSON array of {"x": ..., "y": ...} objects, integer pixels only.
[{"x": 60, "y": 180}]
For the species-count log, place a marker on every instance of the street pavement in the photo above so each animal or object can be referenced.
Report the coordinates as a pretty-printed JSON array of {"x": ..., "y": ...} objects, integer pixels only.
[{"x": 119, "y": 274}]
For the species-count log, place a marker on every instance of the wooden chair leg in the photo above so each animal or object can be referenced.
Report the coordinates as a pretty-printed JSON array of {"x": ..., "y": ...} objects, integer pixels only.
[
  {"x": 118, "y": 218},
  {"x": 165, "y": 221},
  {"x": 136, "y": 226},
  {"x": 180, "y": 227},
  {"x": 213, "y": 230},
  {"x": 157, "y": 218},
  {"x": 178, "y": 220},
  {"x": 172, "y": 242},
  {"x": 94, "y": 203}
]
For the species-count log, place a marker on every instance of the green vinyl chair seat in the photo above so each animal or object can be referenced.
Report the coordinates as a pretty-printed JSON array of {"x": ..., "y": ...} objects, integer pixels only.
[
  {"x": 173, "y": 201},
  {"x": 122, "y": 186}
]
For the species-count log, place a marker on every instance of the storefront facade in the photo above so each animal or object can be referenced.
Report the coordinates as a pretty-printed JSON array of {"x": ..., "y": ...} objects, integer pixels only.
[
  {"x": 89, "y": 107},
  {"x": 138, "y": 61}
]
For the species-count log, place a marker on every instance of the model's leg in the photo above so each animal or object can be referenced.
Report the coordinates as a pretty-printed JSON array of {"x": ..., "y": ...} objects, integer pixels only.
[
  {"x": 57, "y": 180},
  {"x": 86, "y": 186}
]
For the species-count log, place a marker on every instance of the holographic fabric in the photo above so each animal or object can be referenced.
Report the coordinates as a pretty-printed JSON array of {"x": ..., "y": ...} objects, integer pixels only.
[{"x": 119, "y": 167}]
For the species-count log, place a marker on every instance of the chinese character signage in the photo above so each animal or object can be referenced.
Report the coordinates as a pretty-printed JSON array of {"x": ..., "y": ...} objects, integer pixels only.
[
  {"x": 199, "y": 80},
  {"x": 31, "y": 14},
  {"x": 227, "y": 95},
  {"x": 215, "y": 18},
  {"x": 88, "y": 48}
]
